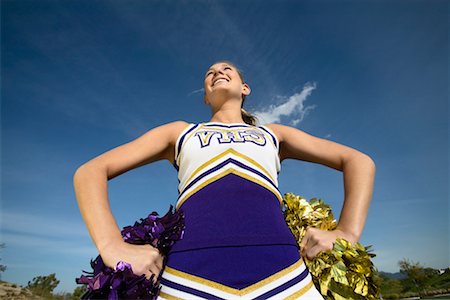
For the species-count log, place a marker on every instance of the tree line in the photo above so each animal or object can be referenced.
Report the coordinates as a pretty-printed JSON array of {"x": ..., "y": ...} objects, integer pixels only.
[{"x": 415, "y": 281}]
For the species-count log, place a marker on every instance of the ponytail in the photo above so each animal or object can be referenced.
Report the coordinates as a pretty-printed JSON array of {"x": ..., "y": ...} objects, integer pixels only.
[{"x": 248, "y": 118}]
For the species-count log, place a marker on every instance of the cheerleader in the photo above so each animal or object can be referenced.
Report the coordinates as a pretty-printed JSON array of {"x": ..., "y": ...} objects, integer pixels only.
[{"x": 236, "y": 243}]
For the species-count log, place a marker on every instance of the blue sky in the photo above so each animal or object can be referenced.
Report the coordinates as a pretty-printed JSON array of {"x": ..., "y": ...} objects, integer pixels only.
[{"x": 82, "y": 77}]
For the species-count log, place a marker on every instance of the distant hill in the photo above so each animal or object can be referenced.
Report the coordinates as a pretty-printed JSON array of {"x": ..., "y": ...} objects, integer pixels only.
[{"x": 396, "y": 275}]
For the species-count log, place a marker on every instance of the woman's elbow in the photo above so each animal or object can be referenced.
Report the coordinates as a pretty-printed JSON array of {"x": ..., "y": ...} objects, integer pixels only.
[
  {"x": 78, "y": 174},
  {"x": 80, "y": 171},
  {"x": 370, "y": 163},
  {"x": 83, "y": 171},
  {"x": 363, "y": 158}
]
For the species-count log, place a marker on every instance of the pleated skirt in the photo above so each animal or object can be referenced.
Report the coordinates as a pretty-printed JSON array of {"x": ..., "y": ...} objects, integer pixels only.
[{"x": 238, "y": 272}]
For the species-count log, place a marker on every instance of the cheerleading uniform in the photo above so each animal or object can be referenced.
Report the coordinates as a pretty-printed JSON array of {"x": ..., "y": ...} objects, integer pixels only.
[{"x": 236, "y": 243}]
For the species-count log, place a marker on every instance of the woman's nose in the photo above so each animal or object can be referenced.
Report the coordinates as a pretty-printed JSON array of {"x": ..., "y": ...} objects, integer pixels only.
[{"x": 215, "y": 73}]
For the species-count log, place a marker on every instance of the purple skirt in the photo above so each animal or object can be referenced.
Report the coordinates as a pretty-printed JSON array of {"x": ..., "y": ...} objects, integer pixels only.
[{"x": 237, "y": 272}]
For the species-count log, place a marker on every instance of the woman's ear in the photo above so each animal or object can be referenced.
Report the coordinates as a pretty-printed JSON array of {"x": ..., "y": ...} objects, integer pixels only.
[
  {"x": 205, "y": 100},
  {"x": 246, "y": 90}
]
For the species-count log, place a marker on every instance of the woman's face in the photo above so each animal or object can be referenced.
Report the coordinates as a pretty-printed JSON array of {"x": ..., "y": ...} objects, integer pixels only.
[{"x": 223, "y": 81}]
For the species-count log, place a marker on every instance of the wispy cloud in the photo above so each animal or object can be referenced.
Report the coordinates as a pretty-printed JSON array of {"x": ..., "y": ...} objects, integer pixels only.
[
  {"x": 293, "y": 107},
  {"x": 46, "y": 233},
  {"x": 40, "y": 225},
  {"x": 196, "y": 91},
  {"x": 96, "y": 96},
  {"x": 50, "y": 245}
]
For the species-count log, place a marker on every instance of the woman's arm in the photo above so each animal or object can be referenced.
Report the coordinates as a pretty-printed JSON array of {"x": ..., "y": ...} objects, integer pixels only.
[
  {"x": 359, "y": 173},
  {"x": 90, "y": 183}
]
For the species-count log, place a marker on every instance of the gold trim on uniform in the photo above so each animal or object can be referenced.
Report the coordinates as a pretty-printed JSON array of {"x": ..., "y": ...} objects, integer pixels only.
[
  {"x": 238, "y": 154},
  {"x": 224, "y": 173},
  {"x": 243, "y": 291}
]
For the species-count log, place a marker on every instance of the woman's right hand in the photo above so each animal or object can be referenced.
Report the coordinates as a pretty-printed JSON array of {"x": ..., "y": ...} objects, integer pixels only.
[{"x": 144, "y": 259}]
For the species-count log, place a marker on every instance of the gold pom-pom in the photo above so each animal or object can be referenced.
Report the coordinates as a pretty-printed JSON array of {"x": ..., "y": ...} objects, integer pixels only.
[{"x": 346, "y": 271}]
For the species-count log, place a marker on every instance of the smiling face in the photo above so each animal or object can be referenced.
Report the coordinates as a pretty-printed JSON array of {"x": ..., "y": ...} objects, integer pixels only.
[{"x": 223, "y": 81}]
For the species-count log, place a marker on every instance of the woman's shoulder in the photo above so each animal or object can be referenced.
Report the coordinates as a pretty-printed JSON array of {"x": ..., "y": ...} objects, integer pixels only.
[
  {"x": 287, "y": 133},
  {"x": 172, "y": 129},
  {"x": 276, "y": 129},
  {"x": 177, "y": 127},
  {"x": 180, "y": 123}
]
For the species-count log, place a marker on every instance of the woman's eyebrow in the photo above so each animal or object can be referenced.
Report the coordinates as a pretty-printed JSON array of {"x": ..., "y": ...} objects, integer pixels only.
[{"x": 222, "y": 66}]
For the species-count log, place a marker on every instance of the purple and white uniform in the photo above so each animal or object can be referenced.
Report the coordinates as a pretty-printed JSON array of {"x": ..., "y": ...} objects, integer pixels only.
[{"x": 236, "y": 243}]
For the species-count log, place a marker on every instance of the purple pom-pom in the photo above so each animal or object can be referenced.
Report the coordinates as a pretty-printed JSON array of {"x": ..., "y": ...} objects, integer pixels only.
[{"x": 121, "y": 283}]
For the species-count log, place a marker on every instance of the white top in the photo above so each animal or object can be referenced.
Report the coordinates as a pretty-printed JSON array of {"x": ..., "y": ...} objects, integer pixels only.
[{"x": 205, "y": 152}]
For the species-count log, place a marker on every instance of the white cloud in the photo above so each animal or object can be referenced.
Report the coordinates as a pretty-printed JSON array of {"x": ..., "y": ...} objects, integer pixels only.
[
  {"x": 63, "y": 245},
  {"x": 293, "y": 107},
  {"x": 44, "y": 234},
  {"x": 196, "y": 91},
  {"x": 40, "y": 225}
]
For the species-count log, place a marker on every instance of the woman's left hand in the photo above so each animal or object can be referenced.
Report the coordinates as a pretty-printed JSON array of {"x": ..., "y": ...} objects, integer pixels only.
[{"x": 316, "y": 240}]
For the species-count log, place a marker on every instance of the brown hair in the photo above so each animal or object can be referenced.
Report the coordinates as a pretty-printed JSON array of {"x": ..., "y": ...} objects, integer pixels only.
[{"x": 246, "y": 116}]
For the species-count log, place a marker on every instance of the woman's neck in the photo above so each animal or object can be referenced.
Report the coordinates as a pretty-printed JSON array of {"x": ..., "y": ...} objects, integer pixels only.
[{"x": 227, "y": 117}]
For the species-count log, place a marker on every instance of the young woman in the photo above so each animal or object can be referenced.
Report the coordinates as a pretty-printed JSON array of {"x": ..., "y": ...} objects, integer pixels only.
[{"x": 237, "y": 244}]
